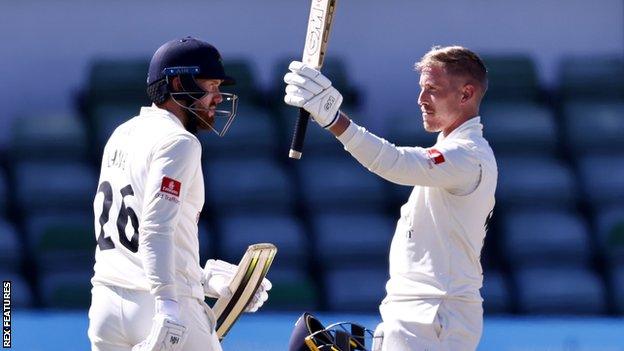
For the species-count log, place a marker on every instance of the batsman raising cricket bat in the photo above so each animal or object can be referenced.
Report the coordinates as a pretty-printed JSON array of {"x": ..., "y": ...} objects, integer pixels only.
[
  {"x": 435, "y": 268},
  {"x": 319, "y": 27}
]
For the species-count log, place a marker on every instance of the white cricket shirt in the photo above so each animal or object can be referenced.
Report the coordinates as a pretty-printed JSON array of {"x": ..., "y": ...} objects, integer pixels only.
[
  {"x": 436, "y": 248},
  {"x": 150, "y": 194}
]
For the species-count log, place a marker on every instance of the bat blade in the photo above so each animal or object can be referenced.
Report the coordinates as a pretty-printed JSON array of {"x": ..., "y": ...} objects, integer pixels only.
[
  {"x": 317, "y": 37},
  {"x": 252, "y": 268}
]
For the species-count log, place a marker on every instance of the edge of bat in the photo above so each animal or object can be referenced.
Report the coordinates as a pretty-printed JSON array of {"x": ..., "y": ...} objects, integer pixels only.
[
  {"x": 316, "y": 60},
  {"x": 247, "y": 273}
]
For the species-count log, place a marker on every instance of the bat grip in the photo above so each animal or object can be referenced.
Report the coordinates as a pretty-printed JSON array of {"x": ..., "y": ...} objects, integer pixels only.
[{"x": 296, "y": 146}]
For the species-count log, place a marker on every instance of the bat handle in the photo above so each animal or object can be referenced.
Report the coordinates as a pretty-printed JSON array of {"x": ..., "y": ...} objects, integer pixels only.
[{"x": 296, "y": 146}]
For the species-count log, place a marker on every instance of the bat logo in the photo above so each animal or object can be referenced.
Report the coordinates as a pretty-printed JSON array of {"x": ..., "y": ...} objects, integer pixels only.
[{"x": 315, "y": 31}]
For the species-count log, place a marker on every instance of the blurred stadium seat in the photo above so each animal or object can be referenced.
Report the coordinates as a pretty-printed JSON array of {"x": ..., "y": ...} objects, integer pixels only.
[
  {"x": 536, "y": 182},
  {"x": 495, "y": 293},
  {"x": 62, "y": 242},
  {"x": 49, "y": 136},
  {"x": 206, "y": 237},
  {"x": 594, "y": 127},
  {"x": 602, "y": 178},
  {"x": 339, "y": 185},
  {"x": 258, "y": 184},
  {"x": 10, "y": 247},
  {"x": 117, "y": 80},
  {"x": 5, "y": 190},
  {"x": 519, "y": 127},
  {"x": 560, "y": 291},
  {"x": 54, "y": 186},
  {"x": 293, "y": 289},
  {"x": 592, "y": 77},
  {"x": 610, "y": 227},
  {"x": 67, "y": 290},
  {"x": 511, "y": 77},
  {"x": 352, "y": 240},
  {"x": 546, "y": 238},
  {"x": 356, "y": 289},
  {"x": 115, "y": 90},
  {"x": 21, "y": 296},
  {"x": 617, "y": 284},
  {"x": 243, "y": 229}
]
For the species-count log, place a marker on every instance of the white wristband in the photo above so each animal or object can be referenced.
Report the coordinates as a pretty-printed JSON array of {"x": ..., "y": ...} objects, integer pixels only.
[{"x": 168, "y": 307}]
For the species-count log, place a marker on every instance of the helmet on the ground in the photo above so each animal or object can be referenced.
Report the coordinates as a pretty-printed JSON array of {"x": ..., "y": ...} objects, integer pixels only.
[
  {"x": 189, "y": 59},
  {"x": 309, "y": 334}
]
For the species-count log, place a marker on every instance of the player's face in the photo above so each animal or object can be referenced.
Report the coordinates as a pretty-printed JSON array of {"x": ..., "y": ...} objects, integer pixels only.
[
  {"x": 439, "y": 99},
  {"x": 208, "y": 103}
]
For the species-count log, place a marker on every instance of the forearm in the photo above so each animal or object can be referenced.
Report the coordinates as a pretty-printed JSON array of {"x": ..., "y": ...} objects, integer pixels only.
[
  {"x": 382, "y": 157},
  {"x": 158, "y": 259}
]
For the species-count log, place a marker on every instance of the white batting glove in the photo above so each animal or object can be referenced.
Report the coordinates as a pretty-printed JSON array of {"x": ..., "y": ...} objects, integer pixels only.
[
  {"x": 260, "y": 296},
  {"x": 167, "y": 333},
  {"x": 309, "y": 89},
  {"x": 218, "y": 275}
]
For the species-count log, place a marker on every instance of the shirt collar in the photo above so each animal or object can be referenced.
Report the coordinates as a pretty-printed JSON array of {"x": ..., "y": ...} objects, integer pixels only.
[
  {"x": 155, "y": 110},
  {"x": 472, "y": 125}
]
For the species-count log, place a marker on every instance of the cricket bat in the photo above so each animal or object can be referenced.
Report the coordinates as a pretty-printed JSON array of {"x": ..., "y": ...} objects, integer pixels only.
[
  {"x": 252, "y": 268},
  {"x": 319, "y": 26}
]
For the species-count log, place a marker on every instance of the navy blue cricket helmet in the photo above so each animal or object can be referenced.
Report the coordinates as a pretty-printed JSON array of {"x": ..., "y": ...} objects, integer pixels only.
[
  {"x": 190, "y": 59},
  {"x": 188, "y": 52}
]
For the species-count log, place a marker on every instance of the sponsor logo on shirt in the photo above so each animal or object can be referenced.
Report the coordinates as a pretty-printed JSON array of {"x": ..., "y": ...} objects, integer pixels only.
[
  {"x": 170, "y": 186},
  {"x": 435, "y": 156}
]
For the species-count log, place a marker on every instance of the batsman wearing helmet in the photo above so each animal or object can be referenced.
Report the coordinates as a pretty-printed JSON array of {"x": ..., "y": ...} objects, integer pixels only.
[
  {"x": 432, "y": 297},
  {"x": 148, "y": 286}
]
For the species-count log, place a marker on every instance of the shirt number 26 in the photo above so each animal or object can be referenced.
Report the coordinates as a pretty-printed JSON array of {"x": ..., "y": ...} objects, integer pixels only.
[{"x": 125, "y": 213}]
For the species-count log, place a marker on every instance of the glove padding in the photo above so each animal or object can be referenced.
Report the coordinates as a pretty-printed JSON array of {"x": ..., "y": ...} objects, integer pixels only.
[
  {"x": 309, "y": 89},
  {"x": 217, "y": 278},
  {"x": 167, "y": 334}
]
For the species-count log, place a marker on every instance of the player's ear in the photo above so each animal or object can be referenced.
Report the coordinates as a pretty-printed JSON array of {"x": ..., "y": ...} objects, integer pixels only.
[
  {"x": 175, "y": 84},
  {"x": 467, "y": 92}
]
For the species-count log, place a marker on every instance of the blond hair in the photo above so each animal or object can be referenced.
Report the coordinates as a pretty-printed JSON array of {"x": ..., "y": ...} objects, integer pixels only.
[{"x": 457, "y": 61}]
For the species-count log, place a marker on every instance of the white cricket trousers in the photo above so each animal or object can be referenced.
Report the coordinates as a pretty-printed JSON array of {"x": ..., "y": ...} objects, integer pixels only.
[
  {"x": 121, "y": 318},
  {"x": 457, "y": 326}
]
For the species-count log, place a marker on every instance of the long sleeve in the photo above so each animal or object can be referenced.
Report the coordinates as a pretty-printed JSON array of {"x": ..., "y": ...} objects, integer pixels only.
[
  {"x": 451, "y": 165},
  {"x": 172, "y": 167}
]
